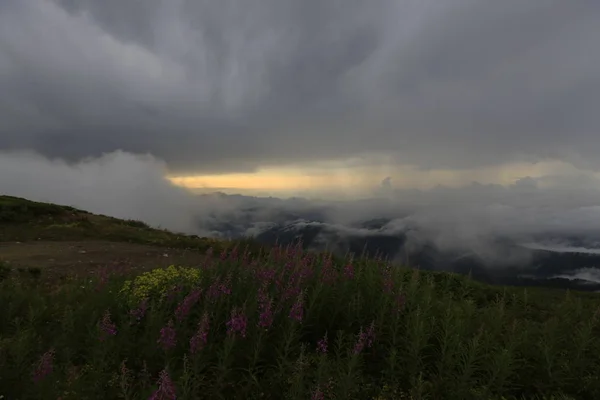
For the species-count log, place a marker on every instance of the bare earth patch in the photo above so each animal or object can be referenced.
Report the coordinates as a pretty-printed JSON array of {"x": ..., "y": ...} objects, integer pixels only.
[{"x": 56, "y": 259}]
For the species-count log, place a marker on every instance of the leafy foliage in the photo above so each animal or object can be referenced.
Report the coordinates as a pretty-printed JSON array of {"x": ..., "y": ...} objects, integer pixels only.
[
  {"x": 156, "y": 283},
  {"x": 296, "y": 325}
]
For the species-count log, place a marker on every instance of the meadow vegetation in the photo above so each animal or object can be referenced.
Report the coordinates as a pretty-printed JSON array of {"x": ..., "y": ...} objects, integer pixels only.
[{"x": 280, "y": 323}]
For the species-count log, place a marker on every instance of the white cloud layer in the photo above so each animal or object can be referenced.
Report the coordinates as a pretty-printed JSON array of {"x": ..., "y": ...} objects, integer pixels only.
[{"x": 132, "y": 186}]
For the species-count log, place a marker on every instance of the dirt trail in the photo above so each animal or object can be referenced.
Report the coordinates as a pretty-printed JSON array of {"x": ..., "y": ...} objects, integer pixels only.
[{"x": 82, "y": 258}]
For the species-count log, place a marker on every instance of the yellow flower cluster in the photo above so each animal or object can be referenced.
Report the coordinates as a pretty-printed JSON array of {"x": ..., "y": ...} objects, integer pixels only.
[{"x": 158, "y": 282}]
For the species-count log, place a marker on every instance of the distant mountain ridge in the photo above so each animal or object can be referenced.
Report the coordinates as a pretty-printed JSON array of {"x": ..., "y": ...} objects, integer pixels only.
[
  {"x": 540, "y": 267},
  {"x": 549, "y": 259}
]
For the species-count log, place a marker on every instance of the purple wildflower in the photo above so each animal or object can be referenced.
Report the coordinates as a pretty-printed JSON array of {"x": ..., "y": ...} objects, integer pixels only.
[
  {"x": 124, "y": 376},
  {"x": 200, "y": 338},
  {"x": 265, "y": 319},
  {"x": 139, "y": 312},
  {"x": 213, "y": 290},
  {"x": 107, "y": 327},
  {"x": 246, "y": 258},
  {"x": 318, "y": 394},
  {"x": 234, "y": 253},
  {"x": 44, "y": 366},
  {"x": 237, "y": 323},
  {"x": 297, "y": 311},
  {"x": 388, "y": 282},
  {"x": 218, "y": 288},
  {"x": 292, "y": 289},
  {"x": 329, "y": 274},
  {"x": 349, "y": 271},
  {"x": 223, "y": 255},
  {"x": 166, "y": 388},
  {"x": 360, "y": 343},
  {"x": 306, "y": 268},
  {"x": 262, "y": 294},
  {"x": 370, "y": 334},
  {"x": 278, "y": 281},
  {"x": 184, "y": 308},
  {"x": 225, "y": 287},
  {"x": 167, "y": 339},
  {"x": 289, "y": 265},
  {"x": 265, "y": 275},
  {"x": 322, "y": 345},
  {"x": 365, "y": 338}
]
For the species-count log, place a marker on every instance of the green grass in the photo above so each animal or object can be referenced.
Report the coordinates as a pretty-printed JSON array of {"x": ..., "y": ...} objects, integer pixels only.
[
  {"x": 25, "y": 220},
  {"x": 435, "y": 335}
]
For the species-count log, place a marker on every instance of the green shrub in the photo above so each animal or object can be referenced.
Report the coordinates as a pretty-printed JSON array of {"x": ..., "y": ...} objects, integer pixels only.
[{"x": 156, "y": 283}]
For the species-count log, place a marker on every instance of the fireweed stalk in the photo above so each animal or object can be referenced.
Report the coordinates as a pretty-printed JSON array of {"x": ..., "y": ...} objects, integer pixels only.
[
  {"x": 200, "y": 338},
  {"x": 236, "y": 327},
  {"x": 265, "y": 276},
  {"x": 44, "y": 366},
  {"x": 184, "y": 308},
  {"x": 297, "y": 311},
  {"x": 294, "y": 320},
  {"x": 328, "y": 274},
  {"x": 349, "y": 271},
  {"x": 265, "y": 320},
  {"x": 318, "y": 394},
  {"x": 265, "y": 309},
  {"x": 298, "y": 376},
  {"x": 219, "y": 288},
  {"x": 388, "y": 281},
  {"x": 237, "y": 323},
  {"x": 140, "y": 312},
  {"x": 166, "y": 388},
  {"x": 168, "y": 337},
  {"x": 234, "y": 254},
  {"x": 322, "y": 348},
  {"x": 125, "y": 380},
  {"x": 106, "y": 327},
  {"x": 364, "y": 339},
  {"x": 292, "y": 289},
  {"x": 223, "y": 255}
]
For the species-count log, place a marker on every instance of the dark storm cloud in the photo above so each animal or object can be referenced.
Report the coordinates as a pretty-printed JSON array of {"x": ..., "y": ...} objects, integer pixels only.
[{"x": 231, "y": 85}]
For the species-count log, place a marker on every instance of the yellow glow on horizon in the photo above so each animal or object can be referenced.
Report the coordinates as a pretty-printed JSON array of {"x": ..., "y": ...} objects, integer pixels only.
[
  {"x": 244, "y": 181},
  {"x": 356, "y": 178}
]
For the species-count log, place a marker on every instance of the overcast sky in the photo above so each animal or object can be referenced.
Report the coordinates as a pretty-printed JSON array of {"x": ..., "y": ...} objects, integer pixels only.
[{"x": 230, "y": 86}]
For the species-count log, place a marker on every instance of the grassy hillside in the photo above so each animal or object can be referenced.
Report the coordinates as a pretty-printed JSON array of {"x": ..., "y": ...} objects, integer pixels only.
[
  {"x": 277, "y": 323},
  {"x": 24, "y": 220}
]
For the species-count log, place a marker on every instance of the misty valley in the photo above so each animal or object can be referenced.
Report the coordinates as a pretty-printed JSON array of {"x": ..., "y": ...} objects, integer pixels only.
[{"x": 533, "y": 260}]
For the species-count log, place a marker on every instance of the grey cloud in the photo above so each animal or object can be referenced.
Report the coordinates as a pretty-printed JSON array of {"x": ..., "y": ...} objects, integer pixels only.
[
  {"x": 118, "y": 184},
  {"x": 132, "y": 186},
  {"x": 386, "y": 184},
  {"x": 233, "y": 85}
]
